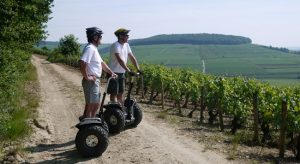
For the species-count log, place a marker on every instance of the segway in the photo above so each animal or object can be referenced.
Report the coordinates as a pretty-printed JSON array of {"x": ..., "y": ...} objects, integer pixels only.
[
  {"x": 92, "y": 137},
  {"x": 118, "y": 117}
]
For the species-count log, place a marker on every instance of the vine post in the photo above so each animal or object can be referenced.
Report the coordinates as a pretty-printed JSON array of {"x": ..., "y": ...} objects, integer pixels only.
[
  {"x": 255, "y": 117},
  {"x": 151, "y": 95},
  {"x": 142, "y": 86},
  {"x": 282, "y": 128},
  {"x": 162, "y": 95},
  {"x": 220, "y": 111},
  {"x": 202, "y": 104}
]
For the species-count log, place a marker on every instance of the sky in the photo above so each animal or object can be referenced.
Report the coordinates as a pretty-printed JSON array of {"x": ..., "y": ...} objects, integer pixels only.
[{"x": 265, "y": 22}]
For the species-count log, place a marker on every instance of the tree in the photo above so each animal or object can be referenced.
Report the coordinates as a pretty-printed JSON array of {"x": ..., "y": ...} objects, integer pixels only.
[
  {"x": 22, "y": 22},
  {"x": 69, "y": 46},
  {"x": 22, "y": 25}
]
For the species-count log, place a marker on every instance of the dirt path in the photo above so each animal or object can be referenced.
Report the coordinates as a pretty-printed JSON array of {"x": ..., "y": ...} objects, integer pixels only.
[{"x": 62, "y": 103}]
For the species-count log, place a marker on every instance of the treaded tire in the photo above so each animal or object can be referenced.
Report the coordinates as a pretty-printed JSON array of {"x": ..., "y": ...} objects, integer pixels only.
[
  {"x": 105, "y": 126},
  {"x": 138, "y": 115},
  {"x": 95, "y": 131},
  {"x": 115, "y": 120}
]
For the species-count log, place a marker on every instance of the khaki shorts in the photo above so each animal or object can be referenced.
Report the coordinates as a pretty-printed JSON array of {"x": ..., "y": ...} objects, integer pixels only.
[{"x": 91, "y": 91}]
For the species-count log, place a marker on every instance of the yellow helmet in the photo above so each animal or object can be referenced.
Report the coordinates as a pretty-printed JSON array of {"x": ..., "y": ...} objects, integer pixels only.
[{"x": 121, "y": 31}]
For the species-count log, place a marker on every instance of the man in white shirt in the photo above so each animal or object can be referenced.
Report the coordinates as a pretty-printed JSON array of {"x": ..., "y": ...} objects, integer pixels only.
[
  {"x": 91, "y": 65},
  {"x": 119, "y": 53}
]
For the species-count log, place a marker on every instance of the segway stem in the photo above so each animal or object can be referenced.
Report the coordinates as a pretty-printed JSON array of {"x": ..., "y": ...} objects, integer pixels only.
[
  {"x": 104, "y": 95},
  {"x": 131, "y": 84},
  {"x": 130, "y": 107}
]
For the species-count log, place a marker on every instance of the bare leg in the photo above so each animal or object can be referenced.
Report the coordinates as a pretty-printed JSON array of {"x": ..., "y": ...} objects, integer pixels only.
[
  {"x": 120, "y": 98},
  {"x": 85, "y": 110},
  {"x": 113, "y": 98},
  {"x": 88, "y": 111},
  {"x": 95, "y": 109}
]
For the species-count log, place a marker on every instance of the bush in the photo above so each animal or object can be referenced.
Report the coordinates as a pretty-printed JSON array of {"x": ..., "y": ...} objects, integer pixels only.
[
  {"x": 69, "y": 46},
  {"x": 56, "y": 57},
  {"x": 22, "y": 25},
  {"x": 11, "y": 91},
  {"x": 43, "y": 51}
]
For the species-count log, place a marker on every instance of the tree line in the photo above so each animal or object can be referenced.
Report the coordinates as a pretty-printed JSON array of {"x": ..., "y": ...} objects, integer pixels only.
[
  {"x": 282, "y": 49},
  {"x": 202, "y": 38}
]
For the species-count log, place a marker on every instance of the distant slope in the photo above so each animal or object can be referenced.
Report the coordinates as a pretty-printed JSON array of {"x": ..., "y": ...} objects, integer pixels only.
[
  {"x": 229, "y": 60},
  {"x": 49, "y": 44},
  {"x": 203, "y": 38},
  {"x": 268, "y": 63}
]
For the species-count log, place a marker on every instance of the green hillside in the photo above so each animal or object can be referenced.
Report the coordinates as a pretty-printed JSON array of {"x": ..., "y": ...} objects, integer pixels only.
[
  {"x": 276, "y": 65},
  {"x": 230, "y": 60},
  {"x": 203, "y": 38}
]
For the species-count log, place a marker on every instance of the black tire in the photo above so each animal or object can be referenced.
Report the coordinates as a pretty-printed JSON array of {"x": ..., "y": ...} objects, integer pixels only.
[
  {"x": 105, "y": 126},
  {"x": 138, "y": 115},
  {"x": 115, "y": 120},
  {"x": 85, "y": 144}
]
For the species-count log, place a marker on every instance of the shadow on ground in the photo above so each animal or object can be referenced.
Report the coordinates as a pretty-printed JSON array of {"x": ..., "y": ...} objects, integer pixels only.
[{"x": 62, "y": 153}]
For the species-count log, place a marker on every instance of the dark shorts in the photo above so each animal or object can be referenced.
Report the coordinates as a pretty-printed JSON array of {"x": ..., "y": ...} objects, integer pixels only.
[
  {"x": 117, "y": 86},
  {"x": 91, "y": 91}
]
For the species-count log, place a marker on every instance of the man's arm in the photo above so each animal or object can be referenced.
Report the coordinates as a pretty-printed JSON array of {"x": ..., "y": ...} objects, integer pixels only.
[
  {"x": 107, "y": 69},
  {"x": 84, "y": 72},
  {"x": 134, "y": 61},
  {"x": 121, "y": 62}
]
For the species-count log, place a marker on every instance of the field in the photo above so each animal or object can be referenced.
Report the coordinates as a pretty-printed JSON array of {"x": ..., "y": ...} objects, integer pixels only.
[{"x": 250, "y": 60}]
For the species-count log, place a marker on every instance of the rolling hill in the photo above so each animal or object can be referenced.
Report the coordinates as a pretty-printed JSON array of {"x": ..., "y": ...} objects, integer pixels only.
[
  {"x": 203, "y": 38},
  {"x": 223, "y": 55}
]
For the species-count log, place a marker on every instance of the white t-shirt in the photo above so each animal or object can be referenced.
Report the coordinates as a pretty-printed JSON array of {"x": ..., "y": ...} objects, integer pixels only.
[
  {"x": 93, "y": 59},
  {"x": 122, "y": 51}
]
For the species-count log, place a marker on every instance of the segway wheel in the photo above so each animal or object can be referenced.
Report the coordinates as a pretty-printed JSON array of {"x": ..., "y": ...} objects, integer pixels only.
[
  {"x": 91, "y": 141},
  {"x": 115, "y": 120},
  {"x": 138, "y": 115}
]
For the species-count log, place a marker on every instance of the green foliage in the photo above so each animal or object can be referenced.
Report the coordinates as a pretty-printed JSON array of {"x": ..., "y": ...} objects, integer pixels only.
[
  {"x": 68, "y": 51},
  {"x": 44, "y": 51},
  {"x": 69, "y": 46},
  {"x": 22, "y": 24},
  {"x": 71, "y": 60},
  {"x": 234, "y": 95},
  {"x": 17, "y": 125}
]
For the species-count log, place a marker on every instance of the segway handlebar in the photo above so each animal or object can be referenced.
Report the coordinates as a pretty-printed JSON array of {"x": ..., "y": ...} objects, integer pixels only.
[{"x": 110, "y": 78}]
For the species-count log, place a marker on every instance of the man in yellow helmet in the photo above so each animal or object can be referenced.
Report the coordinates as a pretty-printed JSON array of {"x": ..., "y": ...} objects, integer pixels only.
[{"x": 119, "y": 53}]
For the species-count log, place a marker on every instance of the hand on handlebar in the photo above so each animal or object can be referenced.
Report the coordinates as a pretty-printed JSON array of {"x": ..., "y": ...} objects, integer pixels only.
[
  {"x": 140, "y": 71},
  {"x": 113, "y": 75},
  {"x": 131, "y": 73}
]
